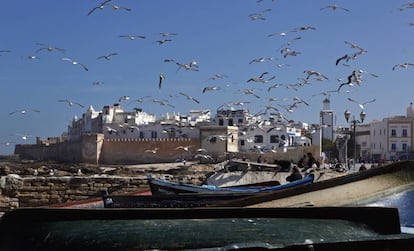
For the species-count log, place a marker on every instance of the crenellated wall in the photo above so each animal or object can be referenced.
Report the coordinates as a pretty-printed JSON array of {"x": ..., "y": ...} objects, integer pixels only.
[{"x": 93, "y": 148}]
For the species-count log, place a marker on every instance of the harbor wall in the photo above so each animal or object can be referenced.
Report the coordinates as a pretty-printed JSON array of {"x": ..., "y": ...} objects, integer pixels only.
[{"x": 18, "y": 192}]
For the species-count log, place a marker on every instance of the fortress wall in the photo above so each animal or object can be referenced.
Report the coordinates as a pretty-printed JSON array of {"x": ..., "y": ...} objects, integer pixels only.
[
  {"x": 43, "y": 191},
  {"x": 136, "y": 150},
  {"x": 62, "y": 151}
]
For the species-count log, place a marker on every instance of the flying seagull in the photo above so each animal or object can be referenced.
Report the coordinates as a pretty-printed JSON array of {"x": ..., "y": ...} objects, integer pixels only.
[
  {"x": 76, "y": 63},
  {"x": 132, "y": 37},
  {"x": 362, "y": 105},
  {"x": 161, "y": 79},
  {"x": 107, "y": 57},
  {"x": 334, "y": 7},
  {"x": 154, "y": 151},
  {"x": 48, "y": 48},
  {"x": 403, "y": 65},
  {"x": 123, "y": 98},
  {"x": 24, "y": 111},
  {"x": 70, "y": 103},
  {"x": 189, "y": 97},
  {"x": 99, "y": 7}
]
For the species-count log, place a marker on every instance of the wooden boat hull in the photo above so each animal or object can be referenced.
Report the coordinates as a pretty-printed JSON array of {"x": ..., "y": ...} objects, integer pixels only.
[
  {"x": 342, "y": 190},
  {"x": 159, "y": 187},
  {"x": 367, "y": 228},
  {"x": 168, "y": 201}
]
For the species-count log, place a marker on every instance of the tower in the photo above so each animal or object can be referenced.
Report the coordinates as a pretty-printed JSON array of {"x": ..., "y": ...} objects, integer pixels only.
[{"x": 327, "y": 120}]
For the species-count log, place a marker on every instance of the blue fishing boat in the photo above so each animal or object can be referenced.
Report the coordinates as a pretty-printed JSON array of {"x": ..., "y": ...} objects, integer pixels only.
[{"x": 159, "y": 186}]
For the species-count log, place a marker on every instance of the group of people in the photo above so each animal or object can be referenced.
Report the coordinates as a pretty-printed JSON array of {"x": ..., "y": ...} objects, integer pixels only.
[{"x": 306, "y": 164}]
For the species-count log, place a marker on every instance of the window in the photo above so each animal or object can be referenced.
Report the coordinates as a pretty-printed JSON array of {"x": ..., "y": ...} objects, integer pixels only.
[
  {"x": 141, "y": 135},
  {"x": 393, "y": 133},
  {"x": 258, "y": 138},
  {"x": 230, "y": 122},
  {"x": 393, "y": 147},
  {"x": 404, "y": 133},
  {"x": 242, "y": 142},
  {"x": 153, "y": 134},
  {"x": 274, "y": 138},
  {"x": 240, "y": 121},
  {"x": 221, "y": 122},
  {"x": 404, "y": 147}
]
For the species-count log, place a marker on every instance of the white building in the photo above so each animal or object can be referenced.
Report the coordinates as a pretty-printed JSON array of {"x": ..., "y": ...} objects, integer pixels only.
[{"x": 388, "y": 139}]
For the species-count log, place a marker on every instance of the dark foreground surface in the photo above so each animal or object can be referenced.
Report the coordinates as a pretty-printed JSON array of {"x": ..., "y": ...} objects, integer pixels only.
[{"x": 328, "y": 228}]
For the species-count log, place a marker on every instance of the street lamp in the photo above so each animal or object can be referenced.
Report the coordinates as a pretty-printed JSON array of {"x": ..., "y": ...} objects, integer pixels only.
[{"x": 354, "y": 122}]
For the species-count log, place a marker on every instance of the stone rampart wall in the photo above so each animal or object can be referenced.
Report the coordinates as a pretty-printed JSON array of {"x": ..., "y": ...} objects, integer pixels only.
[
  {"x": 44, "y": 191},
  {"x": 129, "y": 151},
  {"x": 94, "y": 149}
]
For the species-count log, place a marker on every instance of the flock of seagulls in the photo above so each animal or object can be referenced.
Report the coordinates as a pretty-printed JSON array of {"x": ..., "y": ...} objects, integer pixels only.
[{"x": 263, "y": 88}]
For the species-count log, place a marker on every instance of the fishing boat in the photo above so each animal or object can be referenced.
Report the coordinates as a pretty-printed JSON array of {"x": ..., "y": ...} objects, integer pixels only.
[
  {"x": 246, "y": 173},
  {"x": 159, "y": 186},
  {"x": 186, "y": 200}
]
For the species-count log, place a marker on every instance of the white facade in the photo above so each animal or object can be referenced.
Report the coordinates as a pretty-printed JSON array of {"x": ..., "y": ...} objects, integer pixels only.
[{"x": 388, "y": 139}]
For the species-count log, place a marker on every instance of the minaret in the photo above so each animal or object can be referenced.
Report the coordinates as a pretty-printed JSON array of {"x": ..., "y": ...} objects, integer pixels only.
[
  {"x": 326, "y": 120},
  {"x": 410, "y": 111}
]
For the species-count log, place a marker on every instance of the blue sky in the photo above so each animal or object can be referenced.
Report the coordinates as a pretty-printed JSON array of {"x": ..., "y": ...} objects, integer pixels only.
[{"x": 220, "y": 36}]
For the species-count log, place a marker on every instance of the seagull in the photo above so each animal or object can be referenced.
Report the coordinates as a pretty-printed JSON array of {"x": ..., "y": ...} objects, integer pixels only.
[
  {"x": 311, "y": 72},
  {"x": 260, "y": 60},
  {"x": 161, "y": 79},
  {"x": 304, "y": 28},
  {"x": 189, "y": 66},
  {"x": 346, "y": 57},
  {"x": 132, "y": 37},
  {"x": 334, "y": 7},
  {"x": 189, "y": 97},
  {"x": 353, "y": 78},
  {"x": 250, "y": 92},
  {"x": 260, "y": 78},
  {"x": 124, "y": 98},
  {"x": 155, "y": 150},
  {"x": 110, "y": 129},
  {"x": 166, "y": 34},
  {"x": 140, "y": 100},
  {"x": 48, "y": 48},
  {"x": 259, "y": 15},
  {"x": 403, "y": 65},
  {"x": 76, "y": 63},
  {"x": 70, "y": 103},
  {"x": 24, "y": 136},
  {"x": 98, "y": 83},
  {"x": 211, "y": 88},
  {"x": 291, "y": 53},
  {"x": 185, "y": 148},
  {"x": 99, "y": 7},
  {"x": 162, "y": 41},
  {"x": 354, "y": 46},
  {"x": 4, "y": 51},
  {"x": 24, "y": 111},
  {"x": 162, "y": 102},
  {"x": 274, "y": 86},
  {"x": 222, "y": 137},
  {"x": 362, "y": 105},
  {"x": 217, "y": 76},
  {"x": 117, "y": 7},
  {"x": 108, "y": 57}
]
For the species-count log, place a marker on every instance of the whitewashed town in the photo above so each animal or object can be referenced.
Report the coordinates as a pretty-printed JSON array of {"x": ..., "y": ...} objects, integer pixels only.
[{"x": 386, "y": 140}]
